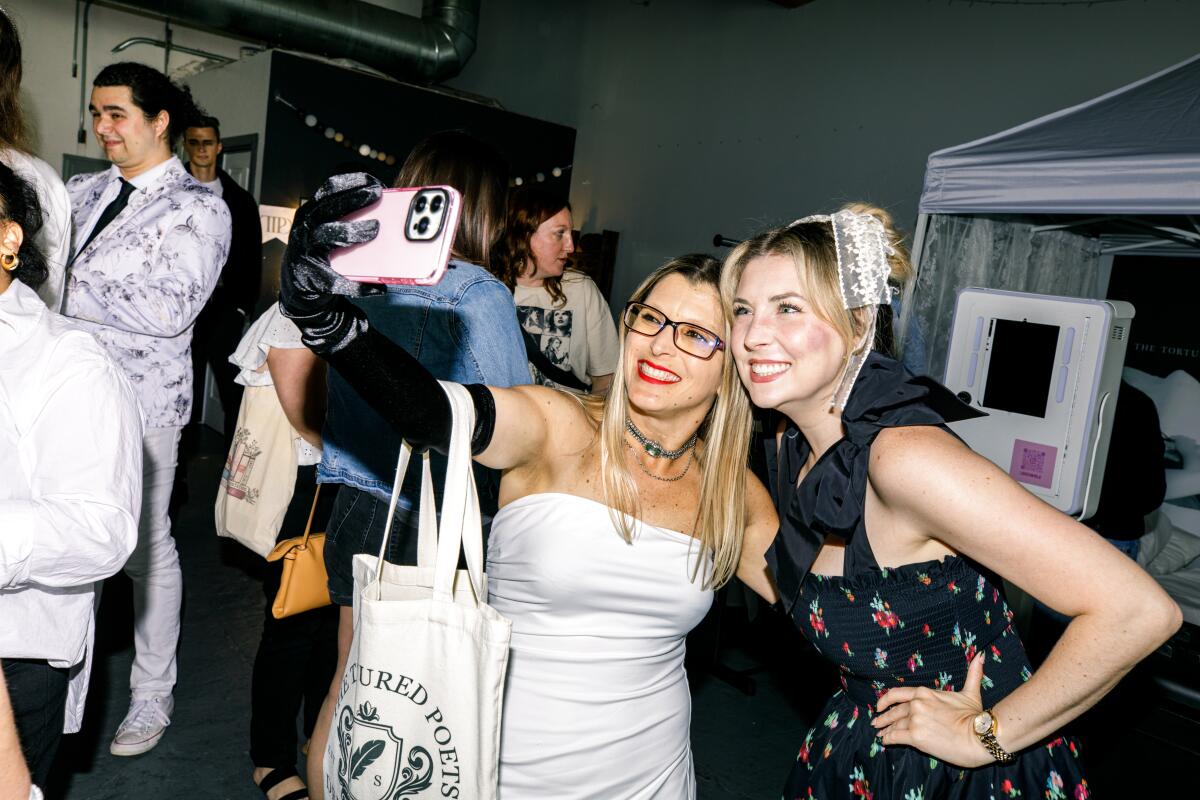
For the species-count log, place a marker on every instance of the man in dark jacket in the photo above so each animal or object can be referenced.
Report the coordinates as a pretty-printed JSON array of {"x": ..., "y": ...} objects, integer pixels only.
[{"x": 219, "y": 326}]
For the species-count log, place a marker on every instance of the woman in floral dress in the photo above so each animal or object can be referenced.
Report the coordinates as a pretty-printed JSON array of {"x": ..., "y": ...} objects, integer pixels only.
[{"x": 890, "y": 532}]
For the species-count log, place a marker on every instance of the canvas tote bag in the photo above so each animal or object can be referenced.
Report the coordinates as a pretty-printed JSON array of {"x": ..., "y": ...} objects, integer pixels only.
[
  {"x": 418, "y": 712},
  {"x": 259, "y": 474}
]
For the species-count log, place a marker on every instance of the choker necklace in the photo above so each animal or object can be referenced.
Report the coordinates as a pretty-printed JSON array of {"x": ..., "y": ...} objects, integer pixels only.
[
  {"x": 653, "y": 448},
  {"x": 642, "y": 467}
]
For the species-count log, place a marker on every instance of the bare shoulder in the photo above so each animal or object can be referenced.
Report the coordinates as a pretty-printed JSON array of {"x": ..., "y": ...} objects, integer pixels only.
[
  {"x": 900, "y": 444},
  {"x": 905, "y": 461},
  {"x": 568, "y": 418},
  {"x": 554, "y": 402}
]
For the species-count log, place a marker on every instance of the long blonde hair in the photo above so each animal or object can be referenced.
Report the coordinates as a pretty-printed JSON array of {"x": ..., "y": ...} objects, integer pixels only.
[
  {"x": 811, "y": 247},
  {"x": 721, "y": 452}
]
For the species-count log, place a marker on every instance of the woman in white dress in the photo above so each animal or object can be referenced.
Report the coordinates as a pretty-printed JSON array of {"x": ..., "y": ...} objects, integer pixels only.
[{"x": 618, "y": 516}]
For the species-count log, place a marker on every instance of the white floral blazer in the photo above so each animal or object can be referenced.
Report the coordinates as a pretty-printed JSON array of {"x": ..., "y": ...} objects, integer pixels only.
[{"x": 139, "y": 284}]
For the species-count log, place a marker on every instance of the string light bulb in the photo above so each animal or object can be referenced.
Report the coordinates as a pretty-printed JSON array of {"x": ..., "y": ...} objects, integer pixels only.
[{"x": 366, "y": 151}]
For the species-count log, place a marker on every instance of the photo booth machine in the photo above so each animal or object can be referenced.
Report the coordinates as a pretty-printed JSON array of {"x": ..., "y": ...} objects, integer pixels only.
[
  {"x": 1046, "y": 371},
  {"x": 990, "y": 212}
]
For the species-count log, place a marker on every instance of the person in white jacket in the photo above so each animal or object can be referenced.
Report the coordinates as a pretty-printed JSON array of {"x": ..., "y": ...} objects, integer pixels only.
[
  {"x": 71, "y": 457},
  {"x": 54, "y": 238},
  {"x": 149, "y": 245}
]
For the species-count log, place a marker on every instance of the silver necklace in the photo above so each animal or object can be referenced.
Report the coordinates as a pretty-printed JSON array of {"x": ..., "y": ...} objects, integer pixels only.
[
  {"x": 656, "y": 477},
  {"x": 656, "y": 450}
]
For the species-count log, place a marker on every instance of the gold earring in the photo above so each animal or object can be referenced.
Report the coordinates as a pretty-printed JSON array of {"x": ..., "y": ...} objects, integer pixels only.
[{"x": 9, "y": 261}]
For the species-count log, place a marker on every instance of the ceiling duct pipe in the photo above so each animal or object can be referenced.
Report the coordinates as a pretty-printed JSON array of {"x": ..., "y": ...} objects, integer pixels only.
[{"x": 429, "y": 49}]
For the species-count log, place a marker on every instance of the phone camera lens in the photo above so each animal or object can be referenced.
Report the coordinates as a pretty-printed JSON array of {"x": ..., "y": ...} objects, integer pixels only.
[
  {"x": 423, "y": 225},
  {"x": 419, "y": 206},
  {"x": 435, "y": 205}
]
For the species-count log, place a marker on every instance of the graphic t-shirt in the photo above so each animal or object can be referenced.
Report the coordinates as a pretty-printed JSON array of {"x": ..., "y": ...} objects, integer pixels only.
[{"x": 578, "y": 336}]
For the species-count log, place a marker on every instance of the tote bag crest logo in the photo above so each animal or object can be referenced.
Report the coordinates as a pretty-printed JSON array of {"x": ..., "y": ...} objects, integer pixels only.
[
  {"x": 373, "y": 763},
  {"x": 418, "y": 710}
]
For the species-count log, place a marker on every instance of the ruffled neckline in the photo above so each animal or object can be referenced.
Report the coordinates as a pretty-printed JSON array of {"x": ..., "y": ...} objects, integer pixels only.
[{"x": 830, "y": 498}]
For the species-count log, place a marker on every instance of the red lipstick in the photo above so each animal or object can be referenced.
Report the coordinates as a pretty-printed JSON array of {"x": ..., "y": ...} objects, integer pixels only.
[{"x": 648, "y": 379}]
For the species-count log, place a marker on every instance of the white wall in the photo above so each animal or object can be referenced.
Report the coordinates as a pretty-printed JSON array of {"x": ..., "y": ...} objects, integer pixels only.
[
  {"x": 699, "y": 116},
  {"x": 51, "y": 96},
  {"x": 241, "y": 92}
]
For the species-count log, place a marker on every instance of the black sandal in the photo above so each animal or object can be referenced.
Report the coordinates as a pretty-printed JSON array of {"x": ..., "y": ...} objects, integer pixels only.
[{"x": 278, "y": 776}]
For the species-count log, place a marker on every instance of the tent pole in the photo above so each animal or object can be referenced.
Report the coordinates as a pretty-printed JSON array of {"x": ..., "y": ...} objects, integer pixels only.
[
  {"x": 1105, "y": 251},
  {"x": 910, "y": 286},
  {"x": 1068, "y": 225}
]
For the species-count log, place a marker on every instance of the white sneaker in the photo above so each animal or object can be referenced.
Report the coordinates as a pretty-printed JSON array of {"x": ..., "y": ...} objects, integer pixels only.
[{"x": 143, "y": 726}]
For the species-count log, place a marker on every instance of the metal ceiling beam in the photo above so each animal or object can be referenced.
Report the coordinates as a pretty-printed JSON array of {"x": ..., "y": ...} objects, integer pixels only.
[{"x": 429, "y": 49}]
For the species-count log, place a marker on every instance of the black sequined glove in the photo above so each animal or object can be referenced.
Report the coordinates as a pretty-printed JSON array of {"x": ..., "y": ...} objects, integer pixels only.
[
  {"x": 407, "y": 395},
  {"x": 310, "y": 293}
]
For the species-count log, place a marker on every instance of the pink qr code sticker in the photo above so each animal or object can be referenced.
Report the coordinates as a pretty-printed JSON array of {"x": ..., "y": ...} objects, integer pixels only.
[{"x": 1033, "y": 463}]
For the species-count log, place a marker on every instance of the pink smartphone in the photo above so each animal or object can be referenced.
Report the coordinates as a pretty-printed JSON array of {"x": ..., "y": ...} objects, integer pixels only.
[{"x": 416, "y": 233}]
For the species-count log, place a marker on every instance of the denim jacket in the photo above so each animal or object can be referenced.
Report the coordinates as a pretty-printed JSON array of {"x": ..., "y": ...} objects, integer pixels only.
[{"x": 462, "y": 329}]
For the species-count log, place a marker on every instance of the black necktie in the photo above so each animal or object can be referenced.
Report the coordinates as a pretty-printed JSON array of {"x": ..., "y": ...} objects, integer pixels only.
[{"x": 110, "y": 212}]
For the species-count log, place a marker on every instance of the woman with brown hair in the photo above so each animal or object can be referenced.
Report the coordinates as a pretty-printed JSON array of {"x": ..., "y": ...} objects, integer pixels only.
[
  {"x": 463, "y": 328},
  {"x": 569, "y": 333}
]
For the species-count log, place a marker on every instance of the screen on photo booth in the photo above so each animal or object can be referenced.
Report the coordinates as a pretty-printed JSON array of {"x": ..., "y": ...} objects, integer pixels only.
[{"x": 1021, "y": 367}]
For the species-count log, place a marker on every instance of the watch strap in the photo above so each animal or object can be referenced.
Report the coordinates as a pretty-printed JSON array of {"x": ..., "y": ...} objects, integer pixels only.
[{"x": 988, "y": 740}]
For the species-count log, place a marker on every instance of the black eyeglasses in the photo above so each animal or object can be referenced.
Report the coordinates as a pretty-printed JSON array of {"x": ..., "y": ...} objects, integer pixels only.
[{"x": 691, "y": 339}]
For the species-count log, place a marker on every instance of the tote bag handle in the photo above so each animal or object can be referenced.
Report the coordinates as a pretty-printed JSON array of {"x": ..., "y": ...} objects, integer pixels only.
[
  {"x": 426, "y": 522},
  {"x": 461, "y": 524}
]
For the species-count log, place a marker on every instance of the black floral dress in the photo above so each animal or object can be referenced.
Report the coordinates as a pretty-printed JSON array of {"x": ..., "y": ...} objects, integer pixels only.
[{"x": 915, "y": 625}]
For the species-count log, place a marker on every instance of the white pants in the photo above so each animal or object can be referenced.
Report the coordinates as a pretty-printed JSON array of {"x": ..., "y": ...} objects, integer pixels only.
[{"x": 154, "y": 569}]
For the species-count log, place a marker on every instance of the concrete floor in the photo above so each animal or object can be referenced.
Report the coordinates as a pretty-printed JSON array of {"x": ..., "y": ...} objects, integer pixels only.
[{"x": 744, "y": 744}]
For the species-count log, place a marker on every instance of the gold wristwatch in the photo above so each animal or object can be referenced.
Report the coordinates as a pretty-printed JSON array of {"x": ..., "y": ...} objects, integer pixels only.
[{"x": 985, "y": 728}]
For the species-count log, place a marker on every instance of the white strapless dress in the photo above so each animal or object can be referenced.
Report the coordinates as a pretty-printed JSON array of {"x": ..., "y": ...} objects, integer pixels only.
[{"x": 597, "y": 702}]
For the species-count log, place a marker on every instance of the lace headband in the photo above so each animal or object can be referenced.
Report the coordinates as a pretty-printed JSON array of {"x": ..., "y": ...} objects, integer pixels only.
[{"x": 863, "y": 270}]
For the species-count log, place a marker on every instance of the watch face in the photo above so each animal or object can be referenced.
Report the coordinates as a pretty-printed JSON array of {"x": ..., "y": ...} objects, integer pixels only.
[{"x": 983, "y": 723}]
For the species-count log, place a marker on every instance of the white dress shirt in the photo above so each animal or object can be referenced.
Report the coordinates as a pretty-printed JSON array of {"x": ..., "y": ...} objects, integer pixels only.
[
  {"x": 71, "y": 461},
  {"x": 112, "y": 187}
]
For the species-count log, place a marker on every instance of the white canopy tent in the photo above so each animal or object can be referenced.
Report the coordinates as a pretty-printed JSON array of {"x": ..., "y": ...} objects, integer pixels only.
[
  {"x": 1042, "y": 206},
  {"x": 1035, "y": 208}
]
